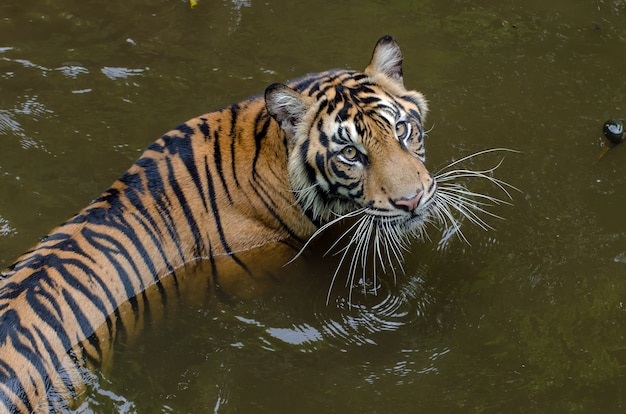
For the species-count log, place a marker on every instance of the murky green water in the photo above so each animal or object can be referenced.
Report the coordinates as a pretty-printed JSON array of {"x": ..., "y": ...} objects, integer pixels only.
[{"x": 529, "y": 317}]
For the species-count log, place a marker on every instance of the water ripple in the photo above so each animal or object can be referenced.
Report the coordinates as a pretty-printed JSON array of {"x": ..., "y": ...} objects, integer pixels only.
[
  {"x": 5, "y": 228},
  {"x": 115, "y": 73},
  {"x": 30, "y": 107},
  {"x": 72, "y": 71},
  {"x": 359, "y": 323}
]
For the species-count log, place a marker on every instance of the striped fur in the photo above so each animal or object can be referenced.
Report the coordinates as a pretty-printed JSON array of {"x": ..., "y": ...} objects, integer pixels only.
[{"x": 269, "y": 169}]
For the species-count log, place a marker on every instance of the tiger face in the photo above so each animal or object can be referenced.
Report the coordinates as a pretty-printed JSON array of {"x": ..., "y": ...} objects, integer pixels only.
[{"x": 357, "y": 144}]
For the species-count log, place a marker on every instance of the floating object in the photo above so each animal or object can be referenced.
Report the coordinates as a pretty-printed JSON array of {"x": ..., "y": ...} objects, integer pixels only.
[{"x": 614, "y": 130}]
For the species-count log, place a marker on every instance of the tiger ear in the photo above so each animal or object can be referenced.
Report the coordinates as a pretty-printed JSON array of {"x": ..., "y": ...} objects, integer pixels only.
[
  {"x": 286, "y": 106},
  {"x": 387, "y": 59}
]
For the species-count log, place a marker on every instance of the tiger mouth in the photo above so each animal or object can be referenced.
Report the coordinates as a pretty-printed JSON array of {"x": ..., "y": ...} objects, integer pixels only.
[
  {"x": 404, "y": 222},
  {"x": 420, "y": 215}
]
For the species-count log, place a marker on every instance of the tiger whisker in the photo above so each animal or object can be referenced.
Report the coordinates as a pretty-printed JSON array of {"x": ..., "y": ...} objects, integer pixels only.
[
  {"x": 475, "y": 154},
  {"x": 375, "y": 254},
  {"x": 457, "y": 174},
  {"x": 360, "y": 252},
  {"x": 345, "y": 251},
  {"x": 453, "y": 196},
  {"x": 365, "y": 252},
  {"x": 324, "y": 227},
  {"x": 429, "y": 130},
  {"x": 467, "y": 194},
  {"x": 466, "y": 210},
  {"x": 444, "y": 215},
  {"x": 391, "y": 243},
  {"x": 467, "y": 200},
  {"x": 305, "y": 189},
  {"x": 344, "y": 234},
  {"x": 386, "y": 242},
  {"x": 357, "y": 239}
]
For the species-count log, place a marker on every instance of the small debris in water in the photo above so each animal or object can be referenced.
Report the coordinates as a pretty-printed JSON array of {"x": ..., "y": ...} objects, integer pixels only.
[{"x": 613, "y": 130}]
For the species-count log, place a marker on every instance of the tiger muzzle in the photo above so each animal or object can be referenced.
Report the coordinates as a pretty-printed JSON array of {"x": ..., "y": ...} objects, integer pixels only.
[{"x": 408, "y": 204}]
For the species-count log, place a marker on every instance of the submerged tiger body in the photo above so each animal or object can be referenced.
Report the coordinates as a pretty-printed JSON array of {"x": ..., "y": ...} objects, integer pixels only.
[{"x": 272, "y": 169}]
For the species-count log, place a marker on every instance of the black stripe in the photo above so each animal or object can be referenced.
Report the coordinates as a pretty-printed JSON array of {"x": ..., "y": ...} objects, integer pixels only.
[
  {"x": 113, "y": 216},
  {"x": 322, "y": 105},
  {"x": 129, "y": 232},
  {"x": 219, "y": 228},
  {"x": 62, "y": 265},
  {"x": 162, "y": 254},
  {"x": 56, "y": 363},
  {"x": 259, "y": 136},
  {"x": 311, "y": 175},
  {"x": 182, "y": 200},
  {"x": 121, "y": 334},
  {"x": 214, "y": 275},
  {"x": 217, "y": 161},
  {"x": 8, "y": 376},
  {"x": 204, "y": 128},
  {"x": 324, "y": 140},
  {"x": 160, "y": 196},
  {"x": 142, "y": 216},
  {"x": 266, "y": 196},
  {"x": 413, "y": 111},
  {"x": 35, "y": 295},
  {"x": 184, "y": 149},
  {"x": 16, "y": 332},
  {"x": 234, "y": 113},
  {"x": 339, "y": 173},
  {"x": 65, "y": 244},
  {"x": 83, "y": 321},
  {"x": 304, "y": 83},
  {"x": 320, "y": 164},
  {"x": 93, "y": 237}
]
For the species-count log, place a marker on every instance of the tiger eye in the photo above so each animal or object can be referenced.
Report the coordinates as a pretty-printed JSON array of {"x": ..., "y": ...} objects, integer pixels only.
[
  {"x": 349, "y": 152},
  {"x": 402, "y": 129}
]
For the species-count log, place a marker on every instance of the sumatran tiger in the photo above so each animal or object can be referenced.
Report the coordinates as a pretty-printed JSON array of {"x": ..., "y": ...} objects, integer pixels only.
[{"x": 276, "y": 168}]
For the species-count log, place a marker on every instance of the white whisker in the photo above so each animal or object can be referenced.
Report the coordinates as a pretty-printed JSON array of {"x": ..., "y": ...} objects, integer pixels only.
[
  {"x": 457, "y": 174},
  {"x": 359, "y": 224},
  {"x": 475, "y": 154},
  {"x": 305, "y": 189},
  {"x": 465, "y": 193},
  {"x": 357, "y": 241},
  {"x": 468, "y": 202},
  {"x": 324, "y": 227},
  {"x": 444, "y": 215},
  {"x": 344, "y": 252},
  {"x": 466, "y": 210}
]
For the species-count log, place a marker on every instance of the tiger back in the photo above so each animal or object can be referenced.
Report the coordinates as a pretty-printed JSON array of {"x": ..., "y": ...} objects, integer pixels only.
[{"x": 273, "y": 169}]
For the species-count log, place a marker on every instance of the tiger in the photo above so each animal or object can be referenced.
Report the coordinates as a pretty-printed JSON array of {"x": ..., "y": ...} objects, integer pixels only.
[{"x": 275, "y": 168}]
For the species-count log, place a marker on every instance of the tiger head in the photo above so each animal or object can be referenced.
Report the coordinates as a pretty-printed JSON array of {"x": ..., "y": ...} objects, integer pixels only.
[{"x": 356, "y": 143}]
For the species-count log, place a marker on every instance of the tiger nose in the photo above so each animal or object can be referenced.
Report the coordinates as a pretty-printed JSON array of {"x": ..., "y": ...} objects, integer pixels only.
[{"x": 408, "y": 204}]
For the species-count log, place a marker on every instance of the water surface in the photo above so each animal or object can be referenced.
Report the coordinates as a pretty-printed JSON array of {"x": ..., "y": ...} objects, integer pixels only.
[{"x": 528, "y": 317}]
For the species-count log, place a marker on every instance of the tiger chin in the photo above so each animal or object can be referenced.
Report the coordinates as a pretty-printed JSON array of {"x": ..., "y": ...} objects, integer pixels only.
[{"x": 278, "y": 168}]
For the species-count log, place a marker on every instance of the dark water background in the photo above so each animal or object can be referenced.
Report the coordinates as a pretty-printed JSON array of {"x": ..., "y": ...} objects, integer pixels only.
[{"x": 529, "y": 317}]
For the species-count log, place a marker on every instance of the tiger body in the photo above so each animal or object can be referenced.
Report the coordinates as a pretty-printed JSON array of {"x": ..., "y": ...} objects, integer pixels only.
[{"x": 272, "y": 169}]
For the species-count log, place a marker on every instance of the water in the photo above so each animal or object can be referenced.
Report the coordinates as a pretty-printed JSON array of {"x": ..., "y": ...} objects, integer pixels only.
[{"x": 528, "y": 317}]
